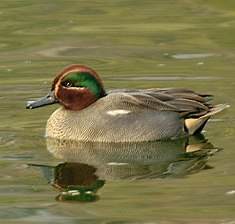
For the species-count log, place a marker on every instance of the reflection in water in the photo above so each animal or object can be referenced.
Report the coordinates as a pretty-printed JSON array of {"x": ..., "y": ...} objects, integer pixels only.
[
  {"x": 75, "y": 181},
  {"x": 89, "y": 165}
]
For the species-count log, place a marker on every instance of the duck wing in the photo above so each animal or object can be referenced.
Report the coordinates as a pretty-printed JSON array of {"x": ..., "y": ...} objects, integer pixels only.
[{"x": 187, "y": 103}]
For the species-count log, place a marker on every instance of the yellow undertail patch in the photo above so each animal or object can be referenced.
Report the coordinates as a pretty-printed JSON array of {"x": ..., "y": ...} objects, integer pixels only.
[{"x": 194, "y": 124}]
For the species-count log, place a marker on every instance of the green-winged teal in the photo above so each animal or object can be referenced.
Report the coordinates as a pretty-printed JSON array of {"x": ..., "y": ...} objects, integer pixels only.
[{"x": 89, "y": 113}]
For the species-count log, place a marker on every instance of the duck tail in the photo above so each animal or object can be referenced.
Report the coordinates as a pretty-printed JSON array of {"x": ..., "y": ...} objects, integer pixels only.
[{"x": 195, "y": 125}]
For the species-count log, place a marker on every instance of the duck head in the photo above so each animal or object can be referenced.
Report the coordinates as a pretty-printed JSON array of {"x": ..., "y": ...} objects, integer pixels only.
[{"x": 75, "y": 87}]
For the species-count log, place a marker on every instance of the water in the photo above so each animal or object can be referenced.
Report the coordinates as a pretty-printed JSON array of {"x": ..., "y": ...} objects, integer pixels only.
[{"x": 132, "y": 44}]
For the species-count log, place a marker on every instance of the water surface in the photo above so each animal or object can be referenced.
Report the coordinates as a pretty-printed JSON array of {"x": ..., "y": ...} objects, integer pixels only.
[{"x": 132, "y": 44}]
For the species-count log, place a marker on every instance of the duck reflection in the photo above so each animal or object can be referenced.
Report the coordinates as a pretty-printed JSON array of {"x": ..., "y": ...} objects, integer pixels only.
[
  {"x": 89, "y": 165},
  {"x": 74, "y": 181}
]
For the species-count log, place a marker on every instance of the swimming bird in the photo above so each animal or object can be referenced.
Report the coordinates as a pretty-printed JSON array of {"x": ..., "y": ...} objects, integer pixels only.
[{"x": 89, "y": 113}]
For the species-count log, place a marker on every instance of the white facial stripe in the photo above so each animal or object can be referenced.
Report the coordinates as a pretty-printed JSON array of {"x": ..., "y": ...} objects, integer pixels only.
[
  {"x": 57, "y": 85},
  {"x": 77, "y": 88},
  {"x": 117, "y": 112}
]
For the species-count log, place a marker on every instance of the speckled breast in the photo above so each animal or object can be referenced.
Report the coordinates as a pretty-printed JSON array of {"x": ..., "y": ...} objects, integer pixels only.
[{"x": 109, "y": 121}]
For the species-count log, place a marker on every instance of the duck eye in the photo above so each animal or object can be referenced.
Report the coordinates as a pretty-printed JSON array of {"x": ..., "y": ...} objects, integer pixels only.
[{"x": 67, "y": 84}]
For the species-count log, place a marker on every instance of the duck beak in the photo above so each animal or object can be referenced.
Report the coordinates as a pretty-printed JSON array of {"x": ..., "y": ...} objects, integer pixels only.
[{"x": 46, "y": 100}]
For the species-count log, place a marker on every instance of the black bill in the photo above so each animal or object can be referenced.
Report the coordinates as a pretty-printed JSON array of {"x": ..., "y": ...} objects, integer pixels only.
[{"x": 46, "y": 100}]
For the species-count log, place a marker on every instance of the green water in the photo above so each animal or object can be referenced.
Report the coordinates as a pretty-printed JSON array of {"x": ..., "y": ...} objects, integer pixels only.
[{"x": 140, "y": 44}]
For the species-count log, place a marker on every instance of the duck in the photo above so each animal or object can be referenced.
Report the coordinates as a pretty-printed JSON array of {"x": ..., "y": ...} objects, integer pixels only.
[{"x": 89, "y": 113}]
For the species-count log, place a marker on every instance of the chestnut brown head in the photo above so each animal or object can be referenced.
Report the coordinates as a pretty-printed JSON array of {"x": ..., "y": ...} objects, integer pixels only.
[{"x": 75, "y": 87}]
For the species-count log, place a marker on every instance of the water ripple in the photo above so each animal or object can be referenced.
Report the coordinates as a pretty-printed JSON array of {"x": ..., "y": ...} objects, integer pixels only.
[{"x": 164, "y": 78}]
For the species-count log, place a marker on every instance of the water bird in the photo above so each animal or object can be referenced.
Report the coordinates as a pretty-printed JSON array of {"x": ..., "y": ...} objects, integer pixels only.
[{"x": 90, "y": 113}]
